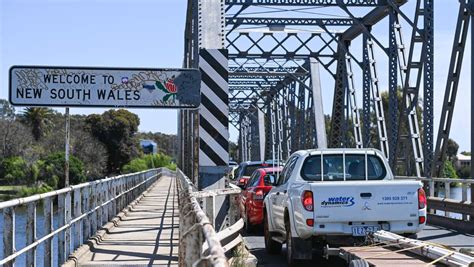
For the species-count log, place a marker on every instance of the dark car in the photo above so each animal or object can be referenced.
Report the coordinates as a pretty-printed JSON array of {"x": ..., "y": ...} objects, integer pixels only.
[
  {"x": 245, "y": 170},
  {"x": 251, "y": 197}
]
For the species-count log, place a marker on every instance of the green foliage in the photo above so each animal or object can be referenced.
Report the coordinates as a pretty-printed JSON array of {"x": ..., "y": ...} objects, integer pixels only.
[
  {"x": 148, "y": 162},
  {"x": 29, "y": 191},
  {"x": 464, "y": 172},
  {"x": 448, "y": 170},
  {"x": 466, "y": 153},
  {"x": 116, "y": 129},
  {"x": 7, "y": 111},
  {"x": 14, "y": 170},
  {"x": 51, "y": 170},
  {"x": 38, "y": 119}
]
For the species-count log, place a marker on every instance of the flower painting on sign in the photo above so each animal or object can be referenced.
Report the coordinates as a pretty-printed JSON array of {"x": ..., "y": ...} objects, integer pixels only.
[{"x": 115, "y": 87}]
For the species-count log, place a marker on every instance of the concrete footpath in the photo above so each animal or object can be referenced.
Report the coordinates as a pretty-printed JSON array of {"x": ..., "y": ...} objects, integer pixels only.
[{"x": 147, "y": 236}]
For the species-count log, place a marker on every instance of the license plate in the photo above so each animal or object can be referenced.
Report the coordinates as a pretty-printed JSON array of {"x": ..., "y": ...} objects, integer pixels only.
[{"x": 364, "y": 230}]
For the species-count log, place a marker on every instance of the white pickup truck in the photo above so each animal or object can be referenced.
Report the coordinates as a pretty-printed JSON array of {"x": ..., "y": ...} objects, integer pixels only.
[{"x": 336, "y": 197}]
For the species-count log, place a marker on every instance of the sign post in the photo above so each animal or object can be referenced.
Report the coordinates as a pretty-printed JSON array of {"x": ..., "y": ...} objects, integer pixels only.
[
  {"x": 104, "y": 87},
  {"x": 66, "y": 152}
]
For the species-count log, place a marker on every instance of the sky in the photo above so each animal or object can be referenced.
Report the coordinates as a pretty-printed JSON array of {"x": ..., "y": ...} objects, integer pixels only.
[{"x": 149, "y": 33}]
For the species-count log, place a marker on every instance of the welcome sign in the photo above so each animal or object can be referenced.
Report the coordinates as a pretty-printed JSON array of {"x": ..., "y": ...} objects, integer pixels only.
[{"x": 104, "y": 87}]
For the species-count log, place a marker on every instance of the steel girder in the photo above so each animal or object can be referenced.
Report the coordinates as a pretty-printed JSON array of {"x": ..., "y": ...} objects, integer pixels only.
[
  {"x": 454, "y": 74},
  {"x": 290, "y": 21},
  {"x": 366, "y": 3},
  {"x": 261, "y": 84},
  {"x": 336, "y": 137}
]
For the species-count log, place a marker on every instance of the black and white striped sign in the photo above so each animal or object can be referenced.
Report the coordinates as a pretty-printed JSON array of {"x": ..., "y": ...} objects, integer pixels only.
[{"x": 214, "y": 109}]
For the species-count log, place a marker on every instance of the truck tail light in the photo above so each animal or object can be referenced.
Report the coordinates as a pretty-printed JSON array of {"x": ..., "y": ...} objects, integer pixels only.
[
  {"x": 242, "y": 181},
  {"x": 310, "y": 222},
  {"x": 421, "y": 219},
  {"x": 421, "y": 198},
  {"x": 307, "y": 200},
  {"x": 259, "y": 195}
]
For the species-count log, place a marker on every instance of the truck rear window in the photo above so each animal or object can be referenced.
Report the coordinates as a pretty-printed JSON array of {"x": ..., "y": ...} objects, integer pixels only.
[
  {"x": 332, "y": 167},
  {"x": 250, "y": 169}
]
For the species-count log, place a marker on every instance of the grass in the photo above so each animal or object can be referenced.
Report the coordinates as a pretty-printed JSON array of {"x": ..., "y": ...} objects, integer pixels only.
[
  {"x": 8, "y": 192},
  {"x": 11, "y": 187}
]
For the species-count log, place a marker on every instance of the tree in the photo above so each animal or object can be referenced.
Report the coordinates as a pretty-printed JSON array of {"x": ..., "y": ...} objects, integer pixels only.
[
  {"x": 451, "y": 148},
  {"x": 116, "y": 129},
  {"x": 149, "y": 161},
  {"x": 448, "y": 170},
  {"x": 7, "y": 111},
  {"x": 404, "y": 146},
  {"x": 464, "y": 172},
  {"x": 38, "y": 119},
  {"x": 466, "y": 153},
  {"x": 233, "y": 150},
  {"x": 15, "y": 138},
  {"x": 83, "y": 144},
  {"x": 14, "y": 170},
  {"x": 51, "y": 170}
]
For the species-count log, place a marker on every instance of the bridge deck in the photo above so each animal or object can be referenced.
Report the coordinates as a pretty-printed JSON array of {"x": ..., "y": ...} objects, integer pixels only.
[{"x": 148, "y": 236}]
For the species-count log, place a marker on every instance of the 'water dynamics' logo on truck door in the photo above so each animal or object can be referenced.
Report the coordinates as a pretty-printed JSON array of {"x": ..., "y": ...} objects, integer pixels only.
[{"x": 334, "y": 202}]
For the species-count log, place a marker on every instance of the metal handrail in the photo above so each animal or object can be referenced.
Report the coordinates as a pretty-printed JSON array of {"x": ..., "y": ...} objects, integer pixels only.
[
  {"x": 195, "y": 229},
  {"x": 94, "y": 204},
  {"x": 451, "y": 180},
  {"x": 447, "y": 204}
]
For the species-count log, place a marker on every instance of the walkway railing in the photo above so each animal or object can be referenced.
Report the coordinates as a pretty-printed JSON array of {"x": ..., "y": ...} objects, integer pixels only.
[
  {"x": 455, "y": 214},
  {"x": 195, "y": 228},
  {"x": 81, "y": 210}
]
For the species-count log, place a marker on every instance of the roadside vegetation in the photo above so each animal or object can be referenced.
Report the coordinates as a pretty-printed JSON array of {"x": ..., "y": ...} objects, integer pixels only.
[{"x": 32, "y": 145}]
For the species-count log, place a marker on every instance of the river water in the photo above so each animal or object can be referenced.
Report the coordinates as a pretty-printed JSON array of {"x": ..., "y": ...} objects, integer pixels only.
[
  {"x": 20, "y": 235},
  {"x": 20, "y": 231}
]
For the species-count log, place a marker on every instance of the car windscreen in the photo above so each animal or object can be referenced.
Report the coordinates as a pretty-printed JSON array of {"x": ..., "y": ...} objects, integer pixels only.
[
  {"x": 337, "y": 167},
  {"x": 270, "y": 179},
  {"x": 250, "y": 169}
]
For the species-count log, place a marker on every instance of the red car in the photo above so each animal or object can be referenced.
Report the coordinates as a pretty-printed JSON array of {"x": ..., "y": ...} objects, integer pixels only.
[{"x": 251, "y": 197}]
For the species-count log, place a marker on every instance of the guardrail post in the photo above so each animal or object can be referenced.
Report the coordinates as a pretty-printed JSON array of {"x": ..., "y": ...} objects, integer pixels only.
[
  {"x": 111, "y": 196},
  {"x": 233, "y": 209},
  {"x": 31, "y": 233},
  {"x": 121, "y": 190},
  {"x": 464, "y": 198},
  {"x": 68, "y": 213},
  {"x": 62, "y": 235},
  {"x": 432, "y": 193},
  {"x": 93, "y": 204},
  {"x": 211, "y": 209},
  {"x": 447, "y": 195},
  {"x": 86, "y": 222},
  {"x": 78, "y": 234},
  {"x": 105, "y": 211},
  {"x": 9, "y": 234},
  {"x": 98, "y": 190},
  {"x": 48, "y": 228}
]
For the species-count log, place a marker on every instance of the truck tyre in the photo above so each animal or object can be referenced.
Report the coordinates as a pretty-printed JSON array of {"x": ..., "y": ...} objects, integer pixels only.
[
  {"x": 290, "y": 247},
  {"x": 271, "y": 246},
  {"x": 358, "y": 263}
]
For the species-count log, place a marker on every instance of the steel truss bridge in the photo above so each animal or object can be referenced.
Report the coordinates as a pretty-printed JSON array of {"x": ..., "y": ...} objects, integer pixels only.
[
  {"x": 267, "y": 67},
  {"x": 285, "y": 56}
]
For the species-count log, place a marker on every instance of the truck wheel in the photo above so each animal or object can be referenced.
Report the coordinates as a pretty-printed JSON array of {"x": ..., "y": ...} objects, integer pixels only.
[
  {"x": 271, "y": 246},
  {"x": 358, "y": 263},
  {"x": 289, "y": 246}
]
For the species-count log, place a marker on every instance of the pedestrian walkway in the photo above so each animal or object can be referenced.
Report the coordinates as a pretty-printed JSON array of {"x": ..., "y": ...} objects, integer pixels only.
[{"x": 147, "y": 236}]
